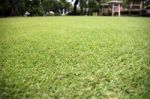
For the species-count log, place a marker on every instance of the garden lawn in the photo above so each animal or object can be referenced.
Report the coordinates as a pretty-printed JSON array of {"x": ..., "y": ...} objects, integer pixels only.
[{"x": 75, "y": 57}]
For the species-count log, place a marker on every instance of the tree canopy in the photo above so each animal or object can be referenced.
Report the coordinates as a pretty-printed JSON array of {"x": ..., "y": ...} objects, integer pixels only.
[
  {"x": 36, "y": 7},
  {"x": 40, "y": 7}
]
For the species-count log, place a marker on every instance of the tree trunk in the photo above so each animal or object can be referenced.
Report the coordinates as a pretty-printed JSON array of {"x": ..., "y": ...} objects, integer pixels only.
[
  {"x": 75, "y": 5},
  {"x": 14, "y": 8}
]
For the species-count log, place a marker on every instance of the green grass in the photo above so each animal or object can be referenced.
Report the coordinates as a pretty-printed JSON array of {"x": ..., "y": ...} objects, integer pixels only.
[{"x": 75, "y": 57}]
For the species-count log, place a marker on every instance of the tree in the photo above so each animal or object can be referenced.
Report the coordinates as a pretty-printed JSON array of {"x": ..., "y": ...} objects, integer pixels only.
[
  {"x": 83, "y": 4},
  {"x": 8, "y": 8},
  {"x": 66, "y": 6},
  {"x": 89, "y": 4},
  {"x": 75, "y": 5}
]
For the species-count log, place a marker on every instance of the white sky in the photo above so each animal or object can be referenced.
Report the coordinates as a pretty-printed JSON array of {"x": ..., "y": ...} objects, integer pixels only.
[{"x": 70, "y": 1}]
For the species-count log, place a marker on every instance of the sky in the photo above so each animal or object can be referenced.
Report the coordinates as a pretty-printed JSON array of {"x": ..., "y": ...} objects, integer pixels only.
[{"x": 70, "y": 1}]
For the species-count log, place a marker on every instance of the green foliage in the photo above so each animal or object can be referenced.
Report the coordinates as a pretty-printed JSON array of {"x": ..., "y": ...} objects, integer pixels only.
[
  {"x": 75, "y": 57},
  {"x": 147, "y": 7},
  {"x": 75, "y": 14},
  {"x": 41, "y": 10},
  {"x": 35, "y": 7}
]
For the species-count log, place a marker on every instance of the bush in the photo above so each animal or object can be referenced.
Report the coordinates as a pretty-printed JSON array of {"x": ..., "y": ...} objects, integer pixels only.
[
  {"x": 75, "y": 13},
  {"x": 57, "y": 14}
]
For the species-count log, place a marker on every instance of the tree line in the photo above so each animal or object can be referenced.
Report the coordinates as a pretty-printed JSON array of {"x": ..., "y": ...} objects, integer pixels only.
[
  {"x": 40, "y": 7},
  {"x": 35, "y": 7}
]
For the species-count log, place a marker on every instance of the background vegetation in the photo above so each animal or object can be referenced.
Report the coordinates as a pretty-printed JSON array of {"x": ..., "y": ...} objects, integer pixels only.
[{"x": 41, "y": 7}]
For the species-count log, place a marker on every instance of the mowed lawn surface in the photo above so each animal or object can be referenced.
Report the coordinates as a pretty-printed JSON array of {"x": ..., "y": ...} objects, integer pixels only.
[{"x": 75, "y": 58}]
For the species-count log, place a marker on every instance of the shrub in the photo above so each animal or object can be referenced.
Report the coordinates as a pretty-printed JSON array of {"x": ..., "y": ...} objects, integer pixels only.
[{"x": 74, "y": 13}]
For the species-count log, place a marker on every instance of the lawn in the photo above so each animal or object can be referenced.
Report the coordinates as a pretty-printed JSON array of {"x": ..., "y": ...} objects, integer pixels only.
[{"x": 75, "y": 58}]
